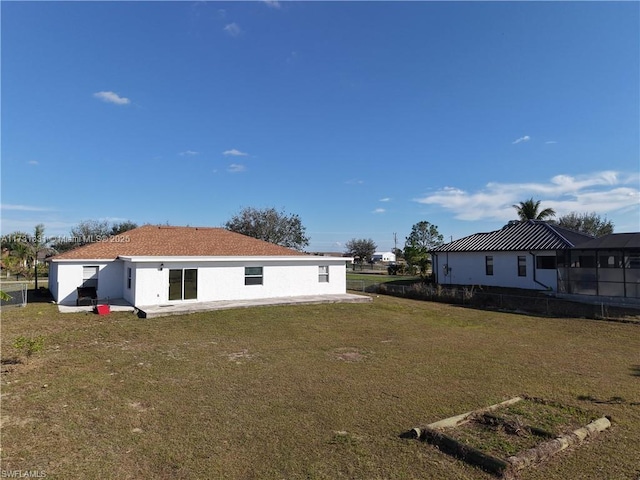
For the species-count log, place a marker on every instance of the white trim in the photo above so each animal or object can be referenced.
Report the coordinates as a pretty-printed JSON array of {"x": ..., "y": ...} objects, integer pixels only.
[{"x": 244, "y": 258}]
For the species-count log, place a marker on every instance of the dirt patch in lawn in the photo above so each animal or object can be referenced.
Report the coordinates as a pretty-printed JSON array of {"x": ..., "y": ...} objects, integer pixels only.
[{"x": 349, "y": 354}]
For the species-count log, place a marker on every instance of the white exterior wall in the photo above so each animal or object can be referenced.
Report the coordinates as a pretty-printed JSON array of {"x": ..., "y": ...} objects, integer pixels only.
[
  {"x": 68, "y": 277},
  {"x": 128, "y": 293},
  {"x": 469, "y": 268},
  {"x": 53, "y": 279},
  {"x": 217, "y": 280},
  {"x": 384, "y": 256},
  {"x": 224, "y": 280}
]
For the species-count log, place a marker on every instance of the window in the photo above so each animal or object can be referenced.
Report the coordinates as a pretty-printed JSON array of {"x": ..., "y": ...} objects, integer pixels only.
[
  {"x": 632, "y": 260},
  {"x": 323, "y": 274},
  {"x": 90, "y": 277},
  {"x": 488, "y": 264},
  {"x": 183, "y": 284},
  {"x": 610, "y": 259},
  {"x": 587, "y": 261},
  {"x": 253, "y": 275},
  {"x": 129, "y": 277},
  {"x": 522, "y": 266},
  {"x": 546, "y": 263}
]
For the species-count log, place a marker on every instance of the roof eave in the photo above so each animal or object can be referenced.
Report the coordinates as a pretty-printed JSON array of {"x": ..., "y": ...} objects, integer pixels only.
[{"x": 233, "y": 258}]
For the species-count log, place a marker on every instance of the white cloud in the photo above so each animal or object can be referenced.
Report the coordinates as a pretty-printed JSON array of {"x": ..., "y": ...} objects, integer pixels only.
[
  {"x": 189, "y": 153},
  {"x": 233, "y": 29},
  {"x": 234, "y": 153},
  {"x": 33, "y": 162},
  {"x": 111, "y": 97},
  {"x": 379, "y": 210},
  {"x": 354, "y": 181},
  {"x": 599, "y": 192},
  {"x": 526, "y": 138},
  {"x": 550, "y": 142},
  {"x": 23, "y": 208},
  {"x": 385, "y": 199},
  {"x": 236, "y": 168},
  {"x": 272, "y": 3}
]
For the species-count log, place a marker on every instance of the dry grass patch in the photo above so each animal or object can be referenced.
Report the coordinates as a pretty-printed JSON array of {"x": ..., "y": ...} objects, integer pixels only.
[
  {"x": 349, "y": 354},
  {"x": 261, "y": 393}
]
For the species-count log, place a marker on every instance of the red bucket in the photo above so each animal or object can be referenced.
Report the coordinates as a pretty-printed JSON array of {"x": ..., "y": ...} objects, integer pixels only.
[{"x": 102, "y": 309}]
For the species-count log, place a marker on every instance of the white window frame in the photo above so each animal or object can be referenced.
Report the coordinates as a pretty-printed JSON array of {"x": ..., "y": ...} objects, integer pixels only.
[
  {"x": 90, "y": 277},
  {"x": 323, "y": 273}
]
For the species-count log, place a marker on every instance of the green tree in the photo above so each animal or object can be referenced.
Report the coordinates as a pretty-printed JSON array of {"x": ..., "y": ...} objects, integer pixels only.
[
  {"x": 361, "y": 249},
  {"x": 89, "y": 231},
  {"x": 589, "y": 223},
  {"x": 120, "y": 228},
  {"x": 530, "y": 210},
  {"x": 15, "y": 253},
  {"x": 399, "y": 253},
  {"x": 271, "y": 226},
  {"x": 21, "y": 250},
  {"x": 417, "y": 247},
  {"x": 12, "y": 240}
]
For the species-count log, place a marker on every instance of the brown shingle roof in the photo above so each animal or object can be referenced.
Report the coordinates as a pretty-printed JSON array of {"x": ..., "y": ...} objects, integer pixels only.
[{"x": 166, "y": 241}]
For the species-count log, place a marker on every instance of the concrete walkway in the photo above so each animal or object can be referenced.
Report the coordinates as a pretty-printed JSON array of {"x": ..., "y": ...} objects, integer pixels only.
[{"x": 151, "y": 311}]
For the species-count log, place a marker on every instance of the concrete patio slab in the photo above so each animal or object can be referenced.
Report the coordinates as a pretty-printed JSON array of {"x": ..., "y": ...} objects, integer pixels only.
[
  {"x": 152, "y": 311},
  {"x": 115, "y": 305}
]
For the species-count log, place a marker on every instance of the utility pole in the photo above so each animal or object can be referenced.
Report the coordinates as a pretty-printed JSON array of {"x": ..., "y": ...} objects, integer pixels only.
[{"x": 395, "y": 245}]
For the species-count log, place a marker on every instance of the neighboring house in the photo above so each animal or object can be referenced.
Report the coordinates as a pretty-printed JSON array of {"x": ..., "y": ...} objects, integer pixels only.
[
  {"x": 158, "y": 265},
  {"x": 606, "y": 266},
  {"x": 520, "y": 255},
  {"x": 383, "y": 257}
]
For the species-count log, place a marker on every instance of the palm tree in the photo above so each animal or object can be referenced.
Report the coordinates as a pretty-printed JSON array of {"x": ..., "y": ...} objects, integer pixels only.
[
  {"x": 529, "y": 210},
  {"x": 37, "y": 245}
]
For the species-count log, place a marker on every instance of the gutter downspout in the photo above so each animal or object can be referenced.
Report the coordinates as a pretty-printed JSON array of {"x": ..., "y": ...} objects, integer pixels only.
[{"x": 546, "y": 287}]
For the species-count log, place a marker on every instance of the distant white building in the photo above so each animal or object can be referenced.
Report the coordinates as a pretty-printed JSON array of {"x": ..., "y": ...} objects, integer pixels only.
[{"x": 383, "y": 257}]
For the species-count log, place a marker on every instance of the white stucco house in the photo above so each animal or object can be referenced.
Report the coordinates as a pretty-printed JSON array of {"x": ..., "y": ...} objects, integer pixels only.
[
  {"x": 160, "y": 265},
  {"x": 520, "y": 255},
  {"x": 383, "y": 257}
]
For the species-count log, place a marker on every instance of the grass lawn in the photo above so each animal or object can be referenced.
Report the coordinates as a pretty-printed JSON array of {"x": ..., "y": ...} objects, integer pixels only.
[
  {"x": 302, "y": 392},
  {"x": 360, "y": 281}
]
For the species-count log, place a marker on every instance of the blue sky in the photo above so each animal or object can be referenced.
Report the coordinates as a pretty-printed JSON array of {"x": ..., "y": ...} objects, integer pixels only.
[{"x": 363, "y": 118}]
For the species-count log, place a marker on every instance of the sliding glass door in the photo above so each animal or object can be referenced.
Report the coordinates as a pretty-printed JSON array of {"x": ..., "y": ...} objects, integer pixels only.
[{"x": 183, "y": 284}]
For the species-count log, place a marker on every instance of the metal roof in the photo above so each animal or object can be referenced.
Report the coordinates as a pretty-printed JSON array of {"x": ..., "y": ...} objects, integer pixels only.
[
  {"x": 613, "y": 241},
  {"x": 521, "y": 236}
]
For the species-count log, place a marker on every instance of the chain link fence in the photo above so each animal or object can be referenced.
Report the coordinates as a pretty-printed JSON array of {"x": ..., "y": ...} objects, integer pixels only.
[
  {"x": 537, "y": 304},
  {"x": 17, "y": 292}
]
